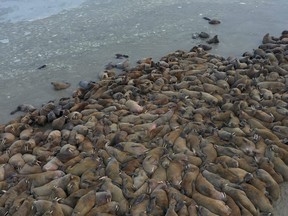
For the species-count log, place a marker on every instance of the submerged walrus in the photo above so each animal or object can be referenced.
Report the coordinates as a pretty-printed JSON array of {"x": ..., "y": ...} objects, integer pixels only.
[{"x": 60, "y": 85}]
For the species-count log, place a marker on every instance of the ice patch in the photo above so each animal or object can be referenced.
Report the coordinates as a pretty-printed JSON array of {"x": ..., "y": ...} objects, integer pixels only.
[{"x": 4, "y": 41}]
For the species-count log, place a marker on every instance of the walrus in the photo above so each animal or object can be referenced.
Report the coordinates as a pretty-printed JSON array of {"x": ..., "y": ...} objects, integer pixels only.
[
  {"x": 170, "y": 138},
  {"x": 110, "y": 207},
  {"x": 174, "y": 172},
  {"x": 86, "y": 146},
  {"x": 130, "y": 166},
  {"x": 24, "y": 108},
  {"x": 215, "y": 206},
  {"x": 191, "y": 173},
  {"x": 281, "y": 153},
  {"x": 17, "y": 161},
  {"x": 247, "y": 165},
  {"x": 6, "y": 171},
  {"x": 217, "y": 181},
  {"x": 41, "y": 206},
  {"x": 272, "y": 186},
  {"x": 75, "y": 138},
  {"x": 73, "y": 198},
  {"x": 84, "y": 164},
  {"x": 26, "y": 134},
  {"x": 57, "y": 124},
  {"x": 228, "y": 151},
  {"x": 154, "y": 208},
  {"x": 40, "y": 120},
  {"x": 272, "y": 86},
  {"x": 54, "y": 137},
  {"x": 60, "y": 85},
  {"x": 213, "y": 40},
  {"x": 117, "y": 194},
  {"x": 39, "y": 179},
  {"x": 241, "y": 197},
  {"x": 258, "y": 198},
  {"x": 6, "y": 139},
  {"x": 56, "y": 193},
  {"x": 85, "y": 203},
  {"x": 150, "y": 162},
  {"x": 127, "y": 182},
  {"x": 120, "y": 156},
  {"x": 171, "y": 209},
  {"x": 133, "y": 148},
  {"x": 204, "y": 35},
  {"x": 73, "y": 185},
  {"x": 180, "y": 144},
  {"x": 74, "y": 160},
  {"x": 52, "y": 164},
  {"x": 16, "y": 147},
  {"x": 214, "y": 22},
  {"x": 189, "y": 158},
  {"x": 25, "y": 208},
  {"x": 67, "y": 152},
  {"x": 228, "y": 161},
  {"x": 75, "y": 117},
  {"x": 132, "y": 194},
  {"x": 244, "y": 211},
  {"x": 263, "y": 116},
  {"x": 113, "y": 170},
  {"x": 257, "y": 183},
  {"x": 205, "y": 212},
  {"x": 205, "y": 47},
  {"x": 45, "y": 189},
  {"x": 210, "y": 99},
  {"x": 139, "y": 178},
  {"x": 235, "y": 210},
  {"x": 15, "y": 128},
  {"x": 176, "y": 194},
  {"x": 56, "y": 209},
  {"x": 268, "y": 166},
  {"x": 207, "y": 189},
  {"x": 260, "y": 147},
  {"x": 182, "y": 208},
  {"x": 158, "y": 193},
  {"x": 209, "y": 152},
  {"x": 279, "y": 166},
  {"x": 30, "y": 168}
]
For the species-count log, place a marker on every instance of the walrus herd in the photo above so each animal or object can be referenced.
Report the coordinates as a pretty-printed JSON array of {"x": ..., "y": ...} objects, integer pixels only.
[{"x": 191, "y": 134}]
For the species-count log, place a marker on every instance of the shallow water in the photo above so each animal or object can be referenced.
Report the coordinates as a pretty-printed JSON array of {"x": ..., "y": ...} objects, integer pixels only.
[
  {"x": 76, "y": 39},
  {"x": 30, "y": 10}
]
